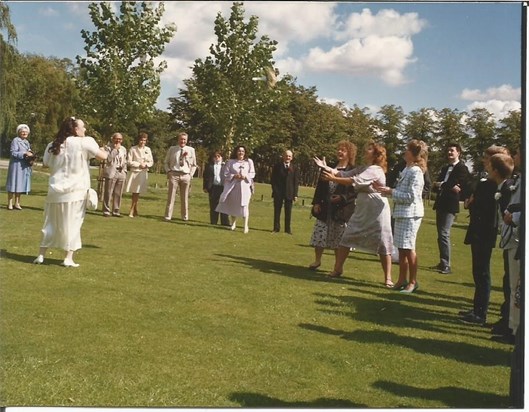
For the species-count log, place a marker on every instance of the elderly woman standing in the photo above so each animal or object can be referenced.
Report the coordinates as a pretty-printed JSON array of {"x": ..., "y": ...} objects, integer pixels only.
[
  {"x": 68, "y": 158},
  {"x": 330, "y": 199},
  {"x": 139, "y": 160},
  {"x": 239, "y": 173},
  {"x": 19, "y": 172},
  {"x": 408, "y": 212}
]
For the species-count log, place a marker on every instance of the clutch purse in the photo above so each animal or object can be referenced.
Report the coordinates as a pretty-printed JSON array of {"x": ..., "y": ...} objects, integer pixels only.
[{"x": 91, "y": 199}]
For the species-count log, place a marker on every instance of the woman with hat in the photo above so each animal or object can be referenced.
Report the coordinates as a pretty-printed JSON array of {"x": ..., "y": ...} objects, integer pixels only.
[{"x": 19, "y": 171}]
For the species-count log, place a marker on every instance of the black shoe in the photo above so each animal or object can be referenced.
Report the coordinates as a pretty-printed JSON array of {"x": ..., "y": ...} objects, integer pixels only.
[
  {"x": 288, "y": 232},
  {"x": 445, "y": 270},
  {"x": 508, "y": 339},
  {"x": 500, "y": 328},
  {"x": 466, "y": 312},
  {"x": 473, "y": 319},
  {"x": 439, "y": 266}
]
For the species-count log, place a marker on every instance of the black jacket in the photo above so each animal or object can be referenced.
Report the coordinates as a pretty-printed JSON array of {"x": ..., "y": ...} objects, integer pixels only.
[{"x": 447, "y": 201}]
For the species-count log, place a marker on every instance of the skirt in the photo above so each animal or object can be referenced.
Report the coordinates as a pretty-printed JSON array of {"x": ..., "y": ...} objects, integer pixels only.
[
  {"x": 405, "y": 232},
  {"x": 62, "y": 225}
]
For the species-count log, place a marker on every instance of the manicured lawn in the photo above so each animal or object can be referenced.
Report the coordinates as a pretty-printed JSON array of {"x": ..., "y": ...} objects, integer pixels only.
[{"x": 188, "y": 315}]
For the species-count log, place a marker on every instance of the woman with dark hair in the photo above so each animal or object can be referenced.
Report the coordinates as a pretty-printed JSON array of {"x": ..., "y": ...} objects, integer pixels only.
[
  {"x": 68, "y": 158},
  {"x": 332, "y": 205},
  {"x": 369, "y": 227},
  {"x": 239, "y": 173},
  {"x": 408, "y": 212},
  {"x": 139, "y": 160}
]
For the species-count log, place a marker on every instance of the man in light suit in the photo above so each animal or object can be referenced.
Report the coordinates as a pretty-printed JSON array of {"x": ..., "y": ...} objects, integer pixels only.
[
  {"x": 114, "y": 175},
  {"x": 180, "y": 165},
  {"x": 451, "y": 186},
  {"x": 285, "y": 183}
]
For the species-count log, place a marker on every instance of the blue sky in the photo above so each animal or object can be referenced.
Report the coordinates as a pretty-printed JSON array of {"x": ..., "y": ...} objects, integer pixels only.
[{"x": 415, "y": 55}]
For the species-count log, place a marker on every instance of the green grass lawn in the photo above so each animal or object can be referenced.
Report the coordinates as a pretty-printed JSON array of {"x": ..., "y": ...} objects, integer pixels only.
[{"x": 174, "y": 314}]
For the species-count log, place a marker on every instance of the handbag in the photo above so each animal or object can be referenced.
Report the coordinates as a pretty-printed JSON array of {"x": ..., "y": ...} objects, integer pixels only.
[
  {"x": 323, "y": 211},
  {"x": 91, "y": 199},
  {"x": 343, "y": 212}
]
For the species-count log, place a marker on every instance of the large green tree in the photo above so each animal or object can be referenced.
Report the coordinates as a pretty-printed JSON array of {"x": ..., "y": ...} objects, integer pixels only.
[
  {"x": 389, "y": 122},
  {"x": 119, "y": 75},
  {"x": 225, "y": 103},
  {"x": 8, "y": 86}
]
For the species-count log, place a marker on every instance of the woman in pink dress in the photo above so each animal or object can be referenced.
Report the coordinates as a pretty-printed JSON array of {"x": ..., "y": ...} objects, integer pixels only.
[{"x": 239, "y": 173}]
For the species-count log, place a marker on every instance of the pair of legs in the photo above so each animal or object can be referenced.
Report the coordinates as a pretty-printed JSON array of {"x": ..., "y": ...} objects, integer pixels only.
[
  {"x": 444, "y": 222},
  {"x": 318, "y": 253},
  {"x": 134, "y": 206},
  {"x": 177, "y": 182},
  {"x": 481, "y": 255},
  {"x": 278, "y": 205},
  {"x": 113, "y": 192},
  {"x": 407, "y": 264},
  {"x": 68, "y": 259},
  {"x": 214, "y": 196},
  {"x": 233, "y": 220},
  {"x": 16, "y": 197},
  {"x": 341, "y": 255}
]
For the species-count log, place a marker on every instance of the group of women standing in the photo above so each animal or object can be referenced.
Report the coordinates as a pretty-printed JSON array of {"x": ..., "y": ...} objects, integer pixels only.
[{"x": 369, "y": 228}]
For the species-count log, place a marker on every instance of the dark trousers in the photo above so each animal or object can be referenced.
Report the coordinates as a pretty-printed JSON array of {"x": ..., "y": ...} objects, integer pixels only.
[
  {"x": 214, "y": 196},
  {"x": 481, "y": 255},
  {"x": 278, "y": 204},
  {"x": 505, "y": 306}
]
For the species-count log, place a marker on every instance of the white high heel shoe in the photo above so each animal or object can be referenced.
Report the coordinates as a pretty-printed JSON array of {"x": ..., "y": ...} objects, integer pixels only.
[{"x": 70, "y": 263}]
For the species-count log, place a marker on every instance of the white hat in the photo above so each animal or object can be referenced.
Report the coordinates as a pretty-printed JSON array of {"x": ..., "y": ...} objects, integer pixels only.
[{"x": 21, "y": 127}]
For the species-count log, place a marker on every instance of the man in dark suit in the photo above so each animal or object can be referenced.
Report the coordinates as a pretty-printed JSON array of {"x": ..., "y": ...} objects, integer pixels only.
[
  {"x": 490, "y": 195},
  {"x": 285, "y": 183},
  {"x": 213, "y": 183},
  {"x": 451, "y": 187}
]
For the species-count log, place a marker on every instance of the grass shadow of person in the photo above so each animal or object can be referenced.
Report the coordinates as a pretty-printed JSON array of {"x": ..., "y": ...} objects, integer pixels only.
[
  {"x": 451, "y": 396},
  {"x": 4, "y": 254},
  {"x": 257, "y": 400},
  {"x": 459, "y": 351},
  {"x": 284, "y": 269}
]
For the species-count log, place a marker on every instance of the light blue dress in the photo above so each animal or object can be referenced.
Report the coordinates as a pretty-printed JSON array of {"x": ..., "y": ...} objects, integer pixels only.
[{"x": 19, "y": 171}]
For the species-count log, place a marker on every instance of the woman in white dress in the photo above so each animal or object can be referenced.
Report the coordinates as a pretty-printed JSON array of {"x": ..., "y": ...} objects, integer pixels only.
[
  {"x": 239, "y": 173},
  {"x": 68, "y": 158},
  {"x": 369, "y": 228},
  {"x": 139, "y": 160},
  {"x": 408, "y": 211}
]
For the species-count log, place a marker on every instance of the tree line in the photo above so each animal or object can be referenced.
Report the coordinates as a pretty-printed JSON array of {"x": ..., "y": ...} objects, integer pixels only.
[{"x": 232, "y": 97}]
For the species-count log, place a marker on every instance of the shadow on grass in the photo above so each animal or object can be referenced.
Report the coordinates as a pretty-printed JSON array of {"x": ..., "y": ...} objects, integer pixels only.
[
  {"x": 256, "y": 400},
  {"x": 4, "y": 254},
  {"x": 451, "y": 396},
  {"x": 285, "y": 269},
  {"x": 458, "y": 351}
]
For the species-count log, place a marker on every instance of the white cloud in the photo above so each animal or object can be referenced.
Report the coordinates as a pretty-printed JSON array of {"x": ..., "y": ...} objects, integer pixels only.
[
  {"x": 503, "y": 92},
  {"x": 294, "y": 23},
  {"x": 497, "y": 100},
  {"x": 386, "y": 23},
  {"x": 498, "y": 108},
  {"x": 385, "y": 57}
]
